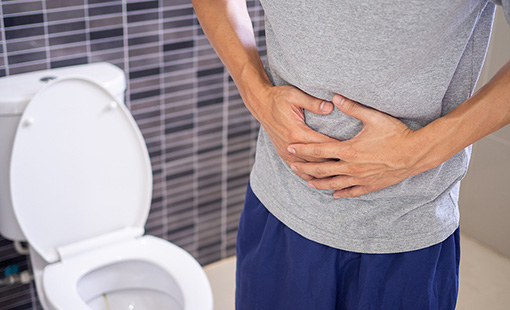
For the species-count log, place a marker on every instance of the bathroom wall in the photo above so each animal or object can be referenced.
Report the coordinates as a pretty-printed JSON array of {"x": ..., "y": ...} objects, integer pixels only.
[
  {"x": 200, "y": 136},
  {"x": 485, "y": 196}
]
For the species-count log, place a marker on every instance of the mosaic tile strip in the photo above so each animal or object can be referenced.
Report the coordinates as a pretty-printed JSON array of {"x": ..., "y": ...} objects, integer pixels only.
[{"x": 200, "y": 136}]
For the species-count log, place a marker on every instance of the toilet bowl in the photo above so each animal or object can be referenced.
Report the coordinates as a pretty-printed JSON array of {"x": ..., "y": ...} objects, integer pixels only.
[
  {"x": 145, "y": 273},
  {"x": 78, "y": 190}
]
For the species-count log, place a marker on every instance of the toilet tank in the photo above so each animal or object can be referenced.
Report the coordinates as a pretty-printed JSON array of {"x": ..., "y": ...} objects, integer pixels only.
[{"x": 16, "y": 92}]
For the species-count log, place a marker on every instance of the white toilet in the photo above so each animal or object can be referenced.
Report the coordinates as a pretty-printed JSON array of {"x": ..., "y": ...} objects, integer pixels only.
[{"x": 76, "y": 184}]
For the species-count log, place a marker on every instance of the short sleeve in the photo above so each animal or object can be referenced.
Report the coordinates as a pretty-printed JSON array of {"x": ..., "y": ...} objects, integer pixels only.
[{"x": 506, "y": 7}]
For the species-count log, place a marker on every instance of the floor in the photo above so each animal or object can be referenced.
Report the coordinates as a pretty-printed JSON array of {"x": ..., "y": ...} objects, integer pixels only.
[{"x": 484, "y": 279}]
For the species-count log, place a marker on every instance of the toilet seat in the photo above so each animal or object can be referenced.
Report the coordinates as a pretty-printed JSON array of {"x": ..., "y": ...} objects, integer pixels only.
[
  {"x": 79, "y": 167},
  {"x": 61, "y": 279}
]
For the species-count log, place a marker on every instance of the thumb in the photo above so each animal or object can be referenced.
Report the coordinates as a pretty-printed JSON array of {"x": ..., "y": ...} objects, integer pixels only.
[
  {"x": 315, "y": 105},
  {"x": 354, "y": 109}
]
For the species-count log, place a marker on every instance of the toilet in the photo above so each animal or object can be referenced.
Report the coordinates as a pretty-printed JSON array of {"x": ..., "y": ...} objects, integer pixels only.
[{"x": 76, "y": 184}]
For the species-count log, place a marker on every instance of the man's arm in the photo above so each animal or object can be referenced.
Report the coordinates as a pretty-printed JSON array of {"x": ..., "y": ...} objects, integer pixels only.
[
  {"x": 386, "y": 151},
  {"x": 485, "y": 112},
  {"x": 228, "y": 27},
  {"x": 279, "y": 109}
]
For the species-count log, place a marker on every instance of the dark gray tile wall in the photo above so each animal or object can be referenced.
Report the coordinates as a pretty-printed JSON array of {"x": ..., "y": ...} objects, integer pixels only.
[{"x": 200, "y": 136}]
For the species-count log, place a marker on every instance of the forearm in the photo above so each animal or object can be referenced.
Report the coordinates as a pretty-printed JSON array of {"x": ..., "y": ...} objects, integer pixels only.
[
  {"x": 228, "y": 27},
  {"x": 482, "y": 114}
]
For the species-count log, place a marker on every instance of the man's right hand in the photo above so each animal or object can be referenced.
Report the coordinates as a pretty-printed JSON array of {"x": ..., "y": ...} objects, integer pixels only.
[
  {"x": 280, "y": 112},
  {"x": 279, "y": 109}
]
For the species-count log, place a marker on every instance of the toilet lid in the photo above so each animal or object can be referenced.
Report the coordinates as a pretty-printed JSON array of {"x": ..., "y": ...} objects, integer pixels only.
[{"x": 79, "y": 167}]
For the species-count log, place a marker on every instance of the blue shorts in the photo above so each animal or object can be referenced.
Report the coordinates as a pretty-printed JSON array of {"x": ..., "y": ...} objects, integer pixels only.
[{"x": 279, "y": 269}]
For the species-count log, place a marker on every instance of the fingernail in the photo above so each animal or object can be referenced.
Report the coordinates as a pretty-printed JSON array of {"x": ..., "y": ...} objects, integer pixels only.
[
  {"x": 293, "y": 168},
  {"x": 338, "y": 100},
  {"x": 325, "y": 106},
  {"x": 291, "y": 150},
  {"x": 311, "y": 185}
]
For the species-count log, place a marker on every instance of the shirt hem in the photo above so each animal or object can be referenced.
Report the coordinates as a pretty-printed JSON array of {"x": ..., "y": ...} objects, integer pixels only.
[{"x": 368, "y": 246}]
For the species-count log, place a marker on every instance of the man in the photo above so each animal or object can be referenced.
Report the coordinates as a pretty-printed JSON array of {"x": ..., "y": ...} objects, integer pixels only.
[{"x": 367, "y": 116}]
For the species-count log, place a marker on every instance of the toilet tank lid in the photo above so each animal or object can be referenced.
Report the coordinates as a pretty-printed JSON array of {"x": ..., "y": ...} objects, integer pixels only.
[{"x": 17, "y": 90}]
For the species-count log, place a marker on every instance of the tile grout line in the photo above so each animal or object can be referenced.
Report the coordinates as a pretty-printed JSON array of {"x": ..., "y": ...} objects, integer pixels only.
[
  {"x": 2, "y": 27},
  {"x": 162, "y": 97},
  {"x": 196, "y": 199},
  {"x": 87, "y": 32},
  {"x": 127, "y": 99},
  {"x": 224, "y": 166},
  {"x": 46, "y": 35}
]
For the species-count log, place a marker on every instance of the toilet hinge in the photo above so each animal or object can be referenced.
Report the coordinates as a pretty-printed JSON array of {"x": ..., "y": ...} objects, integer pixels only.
[{"x": 79, "y": 247}]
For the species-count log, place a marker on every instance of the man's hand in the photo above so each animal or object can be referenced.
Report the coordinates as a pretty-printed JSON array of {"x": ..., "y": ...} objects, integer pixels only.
[
  {"x": 279, "y": 109},
  {"x": 383, "y": 153},
  {"x": 283, "y": 119}
]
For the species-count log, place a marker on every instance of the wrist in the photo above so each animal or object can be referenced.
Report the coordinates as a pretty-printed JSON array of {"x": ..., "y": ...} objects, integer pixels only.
[
  {"x": 254, "y": 87},
  {"x": 434, "y": 145}
]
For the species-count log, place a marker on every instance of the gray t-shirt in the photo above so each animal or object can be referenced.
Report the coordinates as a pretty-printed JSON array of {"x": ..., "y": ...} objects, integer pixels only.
[{"x": 415, "y": 60}]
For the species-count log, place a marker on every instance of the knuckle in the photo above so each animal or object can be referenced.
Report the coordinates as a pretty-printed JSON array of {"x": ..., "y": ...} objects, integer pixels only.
[
  {"x": 319, "y": 171},
  {"x": 407, "y": 161},
  {"x": 349, "y": 153},
  {"x": 370, "y": 180},
  {"x": 317, "y": 152},
  {"x": 291, "y": 95},
  {"x": 338, "y": 183},
  {"x": 349, "y": 106},
  {"x": 326, "y": 184},
  {"x": 351, "y": 181},
  {"x": 283, "y": 94},
  {"x": 316, "y": 184},
  {"x": 337, "y": 154},
  {"x": 357, "y": 191},
  {"x": 351, "y": 170},
  {"x": 293, "y": 136}
]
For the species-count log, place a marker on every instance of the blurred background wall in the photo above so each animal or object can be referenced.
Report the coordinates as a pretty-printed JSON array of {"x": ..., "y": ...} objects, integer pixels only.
[
  {"x": 199, "y": 134},
  {"x": 485, "y": 192}
]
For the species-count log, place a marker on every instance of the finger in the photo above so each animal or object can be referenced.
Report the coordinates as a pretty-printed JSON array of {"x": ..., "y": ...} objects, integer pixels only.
[
  {"x": 292, "y": 158},
  {"x": 333, "y": 183},
  {"x": 304, "y": 176},
  {"x": 281, "y": 148},
  {"x": 337, "y": 167},
  {"x": 317, "y": 150},
  {"x": 308, "y": 135},
  {"x": 312, "y": 104},
  {"x": 310, "y": 159},
  {"x": 317, "y": 170},
  {"x": 356, "y": 110},
  {"x": 350, "y": 192}
]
